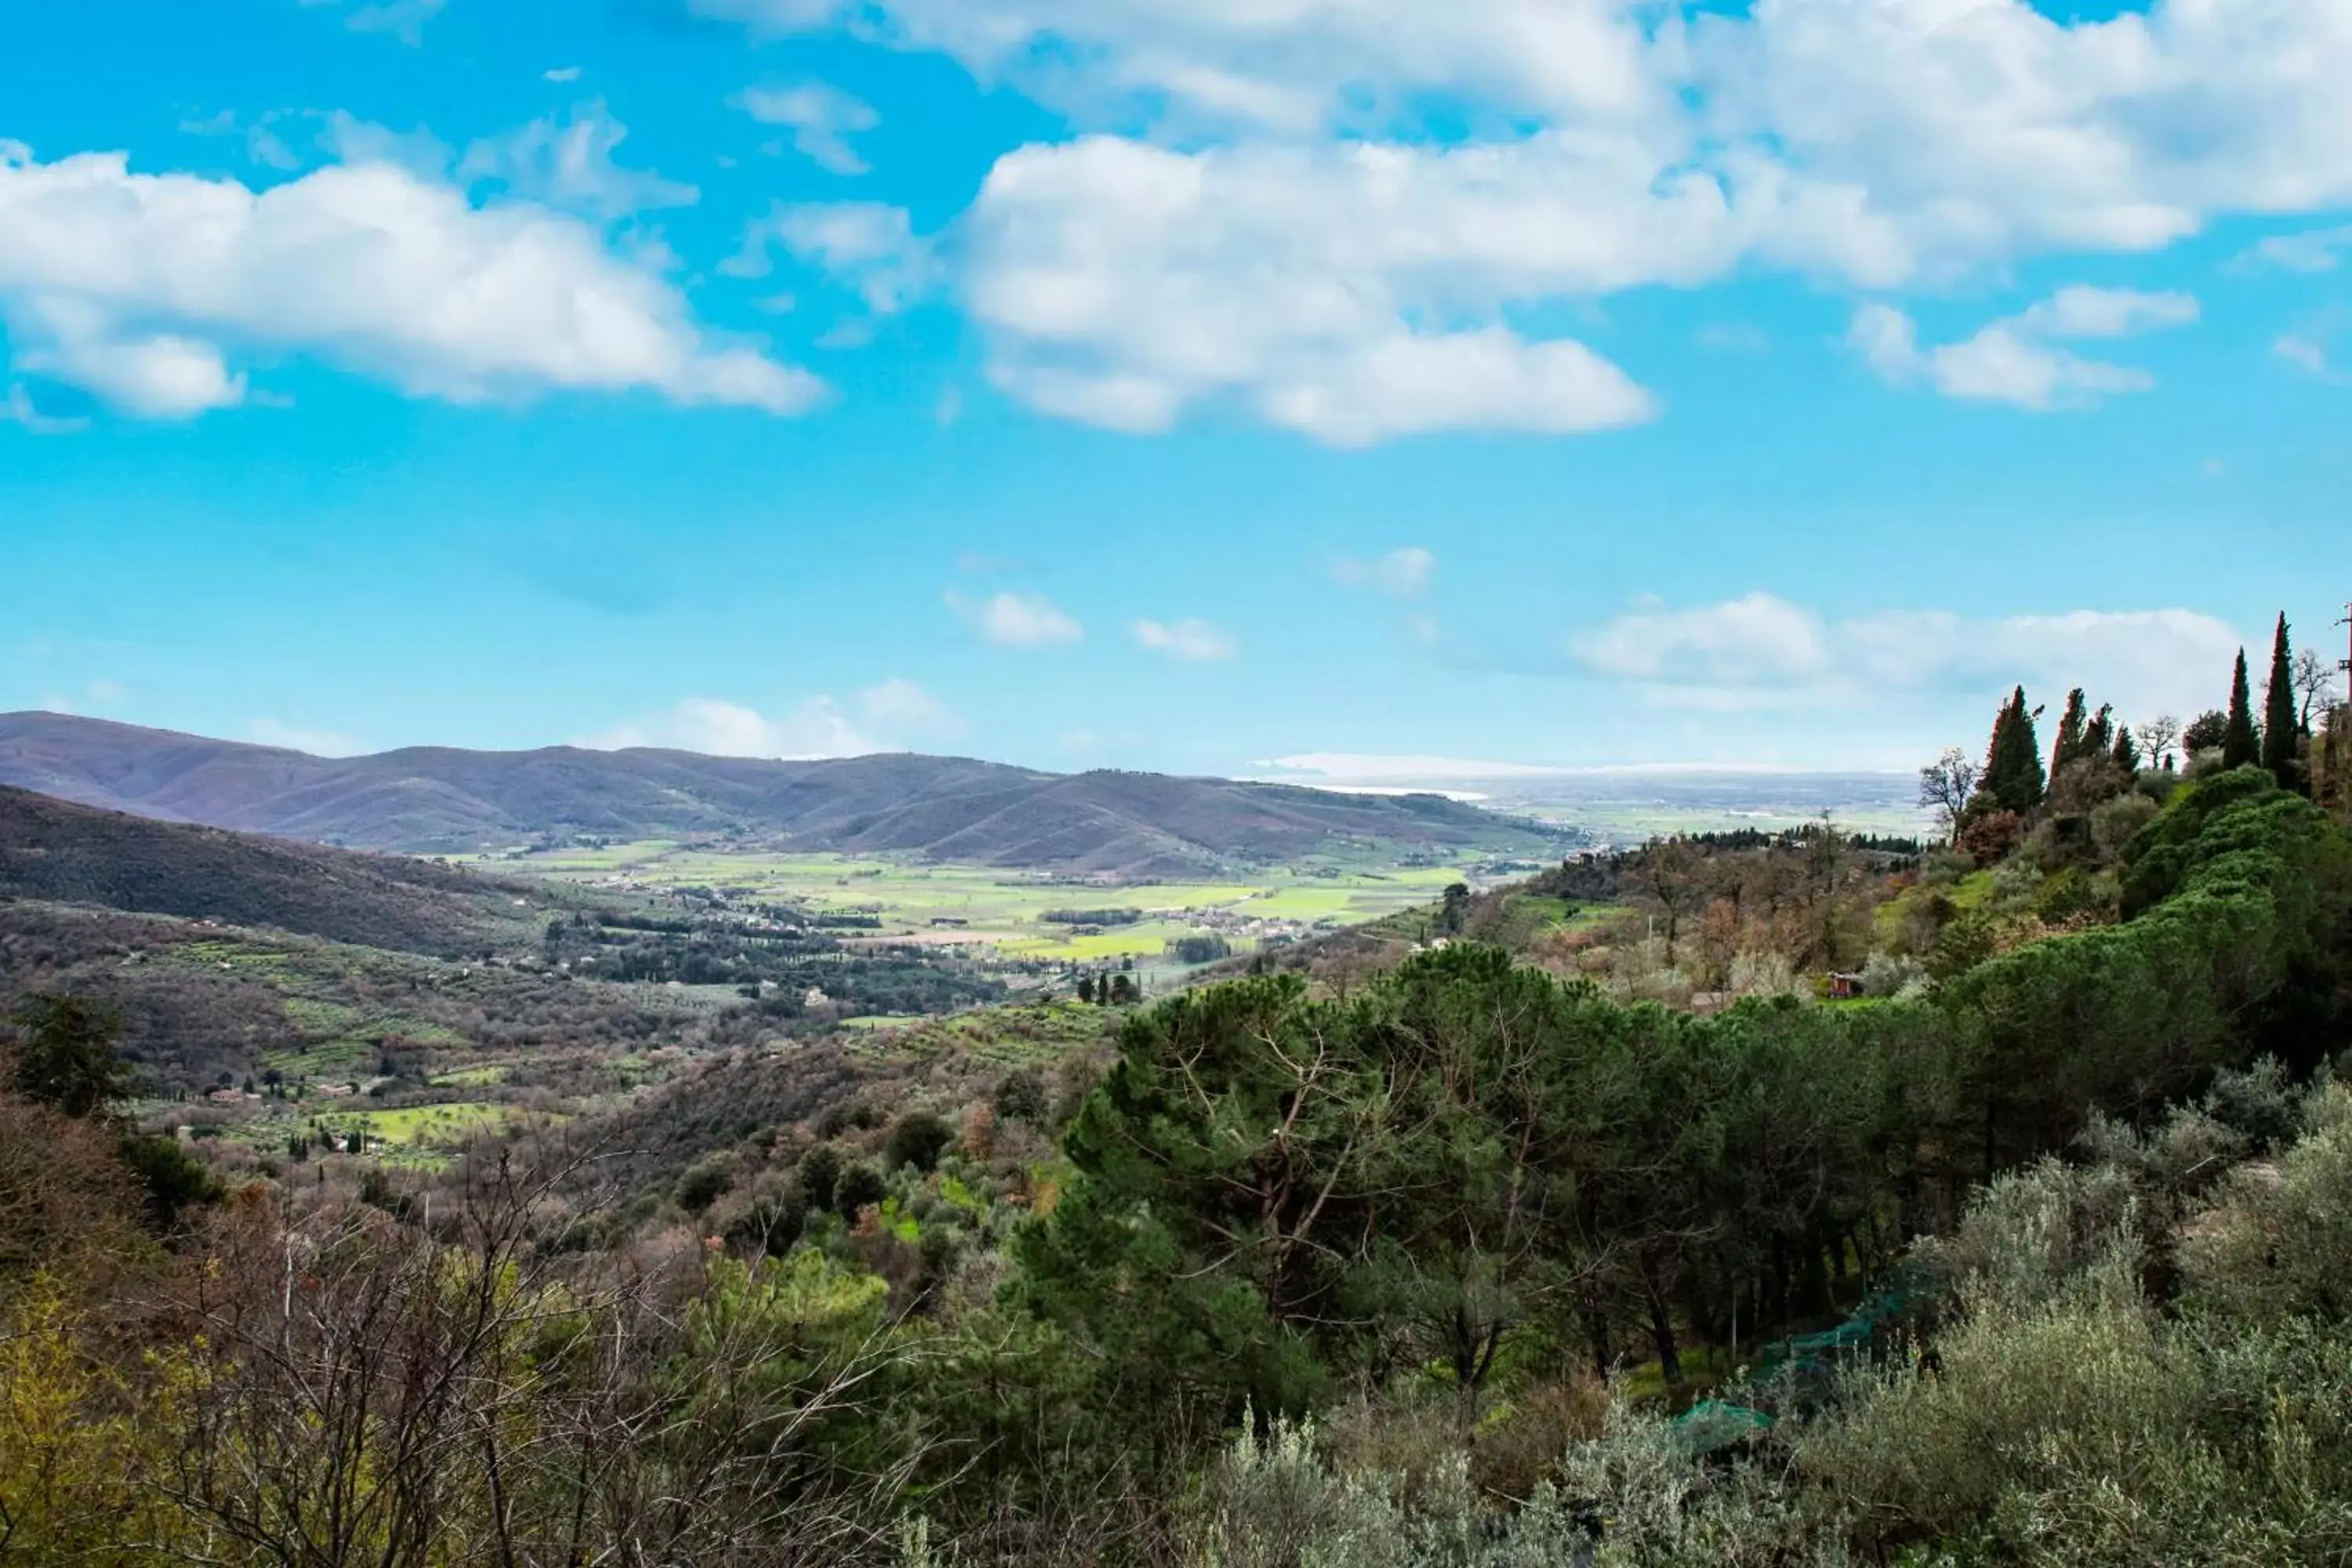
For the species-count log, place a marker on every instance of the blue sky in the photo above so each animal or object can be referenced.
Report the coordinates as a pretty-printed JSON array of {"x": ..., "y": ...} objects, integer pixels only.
[{"x": 1194, "y": 384}]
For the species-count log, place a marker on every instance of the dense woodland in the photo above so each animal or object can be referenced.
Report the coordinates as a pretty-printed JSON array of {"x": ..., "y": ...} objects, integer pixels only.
[{"x": 1765, "y": 1199}]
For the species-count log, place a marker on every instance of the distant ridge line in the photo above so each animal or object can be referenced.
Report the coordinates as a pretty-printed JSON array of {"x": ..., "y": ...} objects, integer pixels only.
[{"x": 440, "y": 799}]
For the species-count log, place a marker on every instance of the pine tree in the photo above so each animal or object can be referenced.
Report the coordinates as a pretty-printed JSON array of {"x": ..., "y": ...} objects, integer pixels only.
[
  {"x": 2279, "y": 722},
  {"x": 2070, "y": 734},
  {"x": 2240, "y": 744},
  {"x": 2127, "y": 752}
]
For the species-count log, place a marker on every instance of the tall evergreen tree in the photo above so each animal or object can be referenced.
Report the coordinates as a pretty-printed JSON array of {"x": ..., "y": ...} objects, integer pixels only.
[
  {"x": 2029, "y": 783},
  {"x": 2240, "y": 744},
  {"x": 2126, "y": 754},
  {"x": 2099, "y": 734},
  {"x": 2070, "y": 734},
  {"x": 2012, "y": 773},
  {"x": 2280, "y": 725}
]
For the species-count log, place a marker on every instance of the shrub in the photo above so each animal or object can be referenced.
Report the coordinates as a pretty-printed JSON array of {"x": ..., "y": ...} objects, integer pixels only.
[
  {"x": 1021, "y": 1095},
  {"x": 704, "y": 1183},
  {"x": 917, "y": 1140}
]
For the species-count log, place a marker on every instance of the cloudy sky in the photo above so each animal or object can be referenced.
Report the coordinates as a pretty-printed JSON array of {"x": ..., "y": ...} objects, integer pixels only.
[{"x": 1172, "y": 384}]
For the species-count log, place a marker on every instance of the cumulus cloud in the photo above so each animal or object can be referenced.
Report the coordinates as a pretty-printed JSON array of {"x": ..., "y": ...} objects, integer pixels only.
[
  {"x": 1282, "y": 221},
  {"x": 1760, "y": 650},
  {"x": 567, "y": 162},
  {"x": 869, "y": 247},
  {"x": 1402, "y": 574},
  {"x": 822, "y": 119},
  {"x": 2012, "y": 361},
  {"x": 879, "y": 718},
  {"x": 1196, "y": 641},
  {"x": 1012, "y": 619},
  {"x": 141, "y": 289},
  {"x": 1352, "y": 293}
]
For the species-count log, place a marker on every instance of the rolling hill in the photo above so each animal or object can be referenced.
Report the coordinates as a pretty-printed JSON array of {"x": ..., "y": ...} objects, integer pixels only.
[
  {"x": 55, "y": 851},
  {"x": 443, "y": 799}
]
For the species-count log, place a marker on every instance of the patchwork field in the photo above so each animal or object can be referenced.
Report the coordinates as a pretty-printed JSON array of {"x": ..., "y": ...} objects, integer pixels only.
[{"x": 1005, "y": 915}]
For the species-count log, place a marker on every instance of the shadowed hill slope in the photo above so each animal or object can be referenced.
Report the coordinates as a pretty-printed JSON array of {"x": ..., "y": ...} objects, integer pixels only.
[
  {"x": 55, "y": 850},
  {"x": 440, "y": 798}
]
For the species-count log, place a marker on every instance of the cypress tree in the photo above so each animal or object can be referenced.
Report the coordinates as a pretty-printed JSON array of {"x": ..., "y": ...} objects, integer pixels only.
[
  {"x": 2099, "y": 734},
  {"x": 2240, "y": 744},
  {"x": 2070, "y": 734},
  {"x": 2012, "y": 770},
  {"x": 2026, "y": 788},
  {"x": 2279, "y": 723},
  {"x": 1990, "y": 776},
  {"x": 2127, "y": 752}
]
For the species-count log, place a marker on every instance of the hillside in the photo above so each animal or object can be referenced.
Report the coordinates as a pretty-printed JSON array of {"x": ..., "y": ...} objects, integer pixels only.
[
  {"x": 58, "y": 851},
  {"x": 439, "y": 798}
]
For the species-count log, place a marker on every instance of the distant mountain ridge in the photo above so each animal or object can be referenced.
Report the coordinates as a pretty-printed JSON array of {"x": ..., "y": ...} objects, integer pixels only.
[{"x": 445, "y": 799}]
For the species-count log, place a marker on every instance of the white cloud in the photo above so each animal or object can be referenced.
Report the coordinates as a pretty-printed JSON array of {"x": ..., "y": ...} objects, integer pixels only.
[
  {"x": 879, "y": 718},
  {"x": 568, "y": 163},
  {"x": 1362, "y": 767},
  {"x": 1017, "y": 620},
  {"x": 139, "y": 288},
  {"x": 2305, "y": 348},
  {"x": 561, "y": 74},
  {"x": 867, "y": 247},
  {"x": 1762, "y": 651},
  {"x": 2011, "y": 360},
  {"x": 1196, "y": 641},
  {"x": 1402, "y": 574},
  {"x": 2080, "y": 310},
  {"x": 299, "y": 738},
  {"x": 1410, "y": 383},
  {"x": 400, "y": 19},
  {"x": 17, "y": 407},
  {"x": 1758, "y": 640},
  {"x": 822, "y": 119},
  {"x": 904, "y": 711},
  {"x": 1349, "y": 293},
  {"x": 1287, "y": 67},
  {"x": 1281, "y": 217},
  {"x": 2314, "y": 250}
]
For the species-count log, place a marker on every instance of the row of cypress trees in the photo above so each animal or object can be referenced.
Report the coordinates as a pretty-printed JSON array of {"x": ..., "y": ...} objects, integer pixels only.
[
  {"x": 2015, "y": 779},
  {"x": 2276, "y": 744}
]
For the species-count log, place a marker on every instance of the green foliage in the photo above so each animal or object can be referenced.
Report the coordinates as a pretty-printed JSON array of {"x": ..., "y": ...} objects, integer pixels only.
[
  {"x": 2013, "y": 776},
  {"x": 176, "y": 1180},
  {"x": 1021, "y": 1095},
  {"x": 917, "y": 1140},
  {"x": 63, "y": 1056},
  {"x": 704, "y": 1183},
  {"x": 2281, "y": 726},
  {"x": 2241, "y": 742}
]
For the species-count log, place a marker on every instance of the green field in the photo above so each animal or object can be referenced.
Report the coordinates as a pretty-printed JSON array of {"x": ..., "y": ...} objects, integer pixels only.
[{"x": 1001, "y": 914}]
